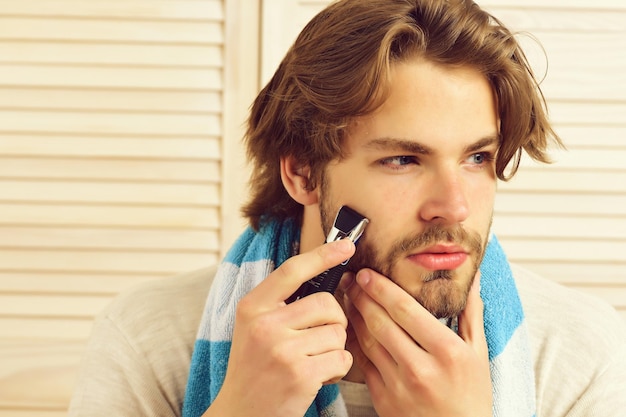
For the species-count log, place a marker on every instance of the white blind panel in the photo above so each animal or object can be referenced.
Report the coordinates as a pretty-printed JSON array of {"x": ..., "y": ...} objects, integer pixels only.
[
  {"x": 568, "y": 220},
  {"x": 111, "y": 137}
]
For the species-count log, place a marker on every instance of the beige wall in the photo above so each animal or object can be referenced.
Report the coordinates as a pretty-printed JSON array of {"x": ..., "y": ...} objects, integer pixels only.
[{"x": 120, "y": 158}]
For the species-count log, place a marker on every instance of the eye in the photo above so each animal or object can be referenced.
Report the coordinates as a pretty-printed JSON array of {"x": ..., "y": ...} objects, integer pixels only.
[
  {"x": 481, "y": 158},
  {"x": 398, "y": 162}
]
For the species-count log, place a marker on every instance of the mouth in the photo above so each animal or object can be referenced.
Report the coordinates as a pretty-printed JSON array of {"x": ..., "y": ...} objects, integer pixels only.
[{"x": 440, "y": 257}]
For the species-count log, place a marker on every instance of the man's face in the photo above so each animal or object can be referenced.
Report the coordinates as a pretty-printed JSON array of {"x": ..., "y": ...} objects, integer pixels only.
[{"x": 421, "y": 168}]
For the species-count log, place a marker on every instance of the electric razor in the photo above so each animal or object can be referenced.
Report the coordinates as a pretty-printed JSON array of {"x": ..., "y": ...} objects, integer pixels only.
[{"x": 348, "y": 225}]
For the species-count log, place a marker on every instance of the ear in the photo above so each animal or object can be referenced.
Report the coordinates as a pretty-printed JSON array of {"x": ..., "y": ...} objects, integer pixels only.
[{"x": 295, "y": 179}]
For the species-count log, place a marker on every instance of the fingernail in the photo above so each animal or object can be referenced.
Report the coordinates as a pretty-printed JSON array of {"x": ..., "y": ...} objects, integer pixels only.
[
  {"x": 363, "y": 277},
  {"x": 344, "y": 245}
]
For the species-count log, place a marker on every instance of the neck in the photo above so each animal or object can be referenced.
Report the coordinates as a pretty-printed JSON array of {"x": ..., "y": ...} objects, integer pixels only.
[{"x": 311, "y": 234}]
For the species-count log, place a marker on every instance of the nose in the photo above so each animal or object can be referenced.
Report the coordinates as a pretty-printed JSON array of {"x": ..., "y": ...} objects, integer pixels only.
[{"x": 445, "y": 199}]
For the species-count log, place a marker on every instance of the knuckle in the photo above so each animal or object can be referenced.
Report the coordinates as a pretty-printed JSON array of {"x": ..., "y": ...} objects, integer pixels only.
[
  {"x": 339, "y": 335},
  {"x": 258, "y": 330},
  {"x": 404, "y": 310},
  {"x": 288, "y": 268},
  {"x": 338, "y": 365},
  {"x": 343, "y": 363},
  {"x": 326, "y": 302},
  {"x": 323, "y": 300},
  {"x": 454, "y": 355},
  {"x": 245, "y": 308},
  {"x": 258, "y": 326},
  {"x": 368, "y": 342},
  {"x": 347, "y": 359},
  {"x": 420, "y": 377},
  {"x": 376, "y": 325},
  {"x": 281, "y": 353}
]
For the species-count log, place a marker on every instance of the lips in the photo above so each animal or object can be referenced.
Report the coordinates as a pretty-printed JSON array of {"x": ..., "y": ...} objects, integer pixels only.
[{"x": 440, "y": 257}]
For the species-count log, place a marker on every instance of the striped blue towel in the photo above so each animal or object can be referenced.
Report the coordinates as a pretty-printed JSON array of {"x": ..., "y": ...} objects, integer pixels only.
[{"x": 256, "y": 254}]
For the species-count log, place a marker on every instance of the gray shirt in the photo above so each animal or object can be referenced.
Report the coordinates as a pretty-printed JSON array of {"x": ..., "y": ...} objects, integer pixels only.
[{"x": 138, "y": 358}]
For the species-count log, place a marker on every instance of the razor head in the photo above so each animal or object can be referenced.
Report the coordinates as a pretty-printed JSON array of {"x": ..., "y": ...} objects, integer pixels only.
[{"x": 348, "y": 224}]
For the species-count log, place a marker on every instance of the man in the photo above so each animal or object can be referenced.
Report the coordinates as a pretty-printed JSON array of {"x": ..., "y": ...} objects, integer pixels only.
[{"x": 408, "y": 111}]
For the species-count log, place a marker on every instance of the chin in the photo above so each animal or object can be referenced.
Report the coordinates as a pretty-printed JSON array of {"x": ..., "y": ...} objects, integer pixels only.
[{"x": 443, "y": 296}]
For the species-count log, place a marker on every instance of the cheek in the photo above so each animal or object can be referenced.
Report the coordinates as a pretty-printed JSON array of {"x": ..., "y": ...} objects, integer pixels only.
[
  {"x": 392, "y": 213},
  {"x": 483, "y": 196},
  {"x": 481, "y": 208},
  {"x": 396, "y": 193}
]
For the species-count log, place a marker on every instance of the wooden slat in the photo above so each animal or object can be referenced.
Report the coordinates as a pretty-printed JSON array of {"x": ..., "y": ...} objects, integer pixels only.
[
  {"x": 574, "y": 227},
  {"x": 583, "y": 159},
  {"x": 76, "y": 76},
  {"x": 138, "y": 9},
  {"x": 560, "y": 204},
  {"x": 109, "y": 169},
  {"x": 111, "y": 262},
  {"x": 73, "y": 215},
  {"x": 86, "y": 145},
  {"x": 11, "y": 411},
  {"x": 73, "y": 329},
  {"x": 578, "y": 272},
  {"x": 568, "y": 181},
  {"x": 582, "y": 113},
  {"x": 580, "y": 6},
  {"x": 80, "y": 283},
  {"x": 116, "y": 123},
  {"x": 572, "y": 57},
  {"x": 109, "y": 192},
  {"x": 537, "y": 20},
  {"x": 594, "y": 137},
  {"x": 102, "y": 30},
  {"x": 128, "y": 54},
  {"x": 564, "y": 250},
  {"x": 17, "y": 237},
  {"x": 52, "y": 305},
  {"x": 110, "y": 99}
]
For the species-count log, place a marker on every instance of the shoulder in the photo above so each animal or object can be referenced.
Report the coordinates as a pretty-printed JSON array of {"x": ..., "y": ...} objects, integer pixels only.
[
  {"x": 140, "y": 349},
  {"x": 578, "y": 344},
  {"x": 176, "y": 299},
  {"x": 160, "y": 317},
  {"x": 550, "y": 306}
]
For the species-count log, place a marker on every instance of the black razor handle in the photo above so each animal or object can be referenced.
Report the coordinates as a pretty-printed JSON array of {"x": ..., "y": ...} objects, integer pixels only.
[{"x": 348, "y": 225}]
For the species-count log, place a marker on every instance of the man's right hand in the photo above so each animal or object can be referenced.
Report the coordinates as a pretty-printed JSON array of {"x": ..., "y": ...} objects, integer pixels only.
[{"x": 282, "y": 354}]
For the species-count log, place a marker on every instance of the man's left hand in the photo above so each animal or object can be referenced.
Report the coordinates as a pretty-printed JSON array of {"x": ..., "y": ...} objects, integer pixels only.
[{"x": 412, "y": 363}]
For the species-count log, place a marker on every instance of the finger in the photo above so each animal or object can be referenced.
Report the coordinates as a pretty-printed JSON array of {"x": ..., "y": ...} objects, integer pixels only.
[
  {"x": 374, "y": 331},
  {"x": 471, "y": 320},
  {"x": 365, "y": 367},
  {"x": 315, "y": 310},
  {"x": 422, "y": 327},
  {"x": 287, "y": 278},
  {"x": 331, "y": 366},
  {"x": 317, "y": 340}
]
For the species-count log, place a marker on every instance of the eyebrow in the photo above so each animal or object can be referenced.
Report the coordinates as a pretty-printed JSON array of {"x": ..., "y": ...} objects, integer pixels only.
[
  {"x": 483, "y": 143},
  {"x": 408, "y": 146},
  {"x": 413, "y": 147}
]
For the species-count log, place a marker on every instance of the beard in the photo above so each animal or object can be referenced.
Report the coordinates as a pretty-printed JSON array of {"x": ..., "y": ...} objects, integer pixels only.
[{"x": 442, "y": 292}]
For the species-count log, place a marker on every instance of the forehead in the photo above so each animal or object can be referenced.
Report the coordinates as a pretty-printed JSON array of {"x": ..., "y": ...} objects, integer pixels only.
[{"x": 432, "y": 104}]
